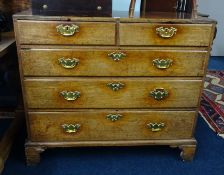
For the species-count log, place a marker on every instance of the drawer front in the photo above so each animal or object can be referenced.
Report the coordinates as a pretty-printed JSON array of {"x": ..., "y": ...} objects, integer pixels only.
[
  {"x": 111, "y": 92},
  {"x": 59, "y": 32},
  {"x": 86, "y": 62},
  {"x": 165, "y": 34},
  {"x": 130, "y": 125}
]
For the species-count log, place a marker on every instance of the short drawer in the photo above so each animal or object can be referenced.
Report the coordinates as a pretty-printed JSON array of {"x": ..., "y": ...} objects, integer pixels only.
[
  {"x": 70, "y": 33},
  {"x": 124, "y": 62},
  {"x": 111, "y": 125},
  {"x": 165, "y": 34},
  {"x": 111, "y": 92}
]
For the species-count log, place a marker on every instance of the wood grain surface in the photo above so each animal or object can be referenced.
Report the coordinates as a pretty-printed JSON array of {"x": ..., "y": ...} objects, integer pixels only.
[
  {"x": 45, "y": 92},
  {"x": 47, "y": 126},
  {"x": 43, "y": 79},
  {"x": 145, "y": 34},
  {"x": 44, "y": 32},
  {"x": 96, "y": 62}
]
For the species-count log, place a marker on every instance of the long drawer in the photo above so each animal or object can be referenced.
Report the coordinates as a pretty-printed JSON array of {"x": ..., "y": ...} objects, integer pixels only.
[
  {"x": 62, "y": 32},
  {"x": 124, "y": 62},
  {"x": 111, "y": 125},
  {"x": 111, "y": 92},
  {"x": 165, "y": 34}
]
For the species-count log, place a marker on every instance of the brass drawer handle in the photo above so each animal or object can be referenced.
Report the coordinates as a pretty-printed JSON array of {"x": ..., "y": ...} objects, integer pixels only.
[
  {"x": 165, "y": 32},
  {"x": 70, "y": 96},
  {"x": 71, "y": 128},
  {"x": 162, "y": 63},
  {"x": 67, "y": 30},
  {"x": 155, "y": 127},
  {"x": 115, "y": 86},
  {"x": 68, "y": 63},
  {"x": 159, "y": 93},
  {"x": 117, "y": 56},
  {"x": 114, "y": 117}
]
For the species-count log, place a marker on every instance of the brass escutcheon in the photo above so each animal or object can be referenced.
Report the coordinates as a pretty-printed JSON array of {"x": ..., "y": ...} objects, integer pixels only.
[
  {"x": 114, "y": 117},
  {"x": 159, "y": 93},
  {"x": 155, "y": 127},
  {"x": 117, "y": 56},
  {"x": 70, "y": 96},
  {"x": 115, "y": 86},
  {"x": 165, "y": 32},
  {"x": 162, "y": 63},
  {"x": 71, "y": 128},
  {"x": 68, "y": 63},
  {"x": 67, "y": 30}
]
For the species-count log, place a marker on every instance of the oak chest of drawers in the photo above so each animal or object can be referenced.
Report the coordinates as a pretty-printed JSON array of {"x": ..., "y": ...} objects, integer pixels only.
[{"x": 111, "y": 81}]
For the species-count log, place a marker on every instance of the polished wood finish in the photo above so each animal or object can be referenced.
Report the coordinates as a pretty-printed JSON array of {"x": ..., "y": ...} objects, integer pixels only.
[
  {"x": 90, "y": 33},
  {"x": 74, "y": 7},
  {"x": 47, "y": 126},
  {"x": 95, "y": 62},
  {"x": 45, "y": 93},
  {"x": 145, "y": 34},
  {"x": 43, "y": 78}
]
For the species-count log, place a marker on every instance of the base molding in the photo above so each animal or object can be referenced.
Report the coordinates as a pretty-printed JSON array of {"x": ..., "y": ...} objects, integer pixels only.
[{"x": 34, "y": 149}]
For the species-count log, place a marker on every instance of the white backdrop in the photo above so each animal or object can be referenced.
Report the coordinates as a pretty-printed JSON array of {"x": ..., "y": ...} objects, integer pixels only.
[{"x": 215, "y": 8}]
